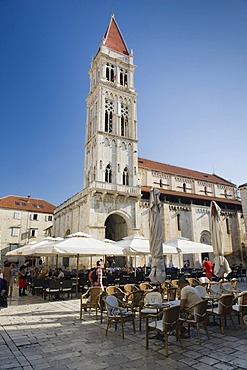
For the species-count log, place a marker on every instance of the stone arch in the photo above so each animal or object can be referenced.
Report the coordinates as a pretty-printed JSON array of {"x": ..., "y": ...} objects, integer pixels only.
[
  {"x": 205, "y": 237},
  {"x": 117, "y": 225}
]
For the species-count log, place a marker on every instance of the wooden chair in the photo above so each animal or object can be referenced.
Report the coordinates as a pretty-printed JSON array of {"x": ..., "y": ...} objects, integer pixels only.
[
  {"x": 200, "y": 315},
  {"x": 165, "y": 323},
  {"x": 90, "y": 299},
  {"x": 241, "y": 307},
  {"x": 117, "y": 314},
  {"x": 223, "y": 310},
  {"x": 150, "y": 298},
  {"x": 111, "y": 289},
  {"x": 129, "y": 288},
  {"x": 134, "y": 301},
  {"x": 193, "y": 282},
  {"x": 146, "y": 286}
]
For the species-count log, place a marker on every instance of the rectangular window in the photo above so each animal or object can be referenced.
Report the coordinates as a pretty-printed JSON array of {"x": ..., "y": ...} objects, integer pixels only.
[
  {"x": 48, "y": 218},
  {"x": 34, "y": 216},
  {"x": 33, "y": 233},
  {"x": 15, "y": 231},
  {"x": 227, "y": 226},
  {"x": 17, "y": 215}
]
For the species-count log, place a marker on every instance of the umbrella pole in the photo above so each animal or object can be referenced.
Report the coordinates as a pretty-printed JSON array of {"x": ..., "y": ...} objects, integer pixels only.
[
  {"x": 135, "y": 264},
  {"x": 56, "y": 260},
  {"x": 77, "y": 274}
]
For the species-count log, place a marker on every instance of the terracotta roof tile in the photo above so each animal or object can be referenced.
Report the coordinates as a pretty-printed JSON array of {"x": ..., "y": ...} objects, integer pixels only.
[
  {"x": 191, "y": 195},
  {"x": 26, "y": 204},
  {"x": 114, "y": 39},
  {"x": 180, "y": 171}
]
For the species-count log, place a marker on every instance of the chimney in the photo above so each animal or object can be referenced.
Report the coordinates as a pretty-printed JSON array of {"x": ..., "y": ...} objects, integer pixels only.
[{"x": 28, "y": 198}]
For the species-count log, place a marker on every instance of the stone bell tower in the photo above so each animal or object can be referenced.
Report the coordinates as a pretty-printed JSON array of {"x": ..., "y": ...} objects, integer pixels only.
[
  {"x": 111, "y": 151},
  {"x": 111, "y": 157}
]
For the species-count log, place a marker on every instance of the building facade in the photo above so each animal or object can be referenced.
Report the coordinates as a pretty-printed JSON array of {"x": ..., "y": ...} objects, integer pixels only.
[
  {"x": 23, "y": 220},
  {"x": 114, "y": 202}
]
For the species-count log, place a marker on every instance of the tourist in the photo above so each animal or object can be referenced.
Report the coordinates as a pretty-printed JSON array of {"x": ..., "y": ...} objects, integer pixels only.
[
  {"x": 99, "y": 274},
  {"x": 189, "y": 297},
  {"x": 3, "y": 291},
  {"x": 208, "y": 267},
  {"x": 7, "y": 272},
  {"x": 23, "y": 279},
  {"x": 12, "y": 279}
]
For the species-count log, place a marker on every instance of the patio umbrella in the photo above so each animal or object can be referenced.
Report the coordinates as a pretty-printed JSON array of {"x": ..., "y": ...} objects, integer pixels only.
[
  {"x": 29, "y": 249},
  {"x": 221, "y": 267},
  {"x": 158, "y": 272}
]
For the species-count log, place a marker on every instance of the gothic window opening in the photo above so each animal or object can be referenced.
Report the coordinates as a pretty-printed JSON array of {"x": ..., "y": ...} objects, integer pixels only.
[
  {"x": 205, "y": 190},
  {"x": 110, "y": 72},
  {"x": 178, "y": 222},
  {"x": 124, "y": 120},
  {"x": 108, "y": 174},
  {"x": 227, "y": 226},
  {"x": 123, "y": 77},
  {"x": 161, "y": 184},
  {"x": 126, "y": 176},
  {"x": 108, "y": 115},
  {"x": 184, "y": 187}
]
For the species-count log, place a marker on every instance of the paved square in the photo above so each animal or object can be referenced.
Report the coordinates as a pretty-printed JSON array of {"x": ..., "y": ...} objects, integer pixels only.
[{"x": 37, "y": 334}]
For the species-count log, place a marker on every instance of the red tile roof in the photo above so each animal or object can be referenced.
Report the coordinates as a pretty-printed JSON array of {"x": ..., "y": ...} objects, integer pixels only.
[
  {"x": 26, "y": 204},
  {"x": 114, "y": 39},
  {"x": 192, "y": 195},
  {"x": 180, "y": 171}
]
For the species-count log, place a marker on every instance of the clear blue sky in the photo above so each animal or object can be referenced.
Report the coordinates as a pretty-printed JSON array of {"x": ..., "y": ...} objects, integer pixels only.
[{"x": 191, "y": 80}]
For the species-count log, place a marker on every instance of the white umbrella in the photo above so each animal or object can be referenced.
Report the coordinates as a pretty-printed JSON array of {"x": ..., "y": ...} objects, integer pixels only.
[
  {"x": 28, "y": 249},
  {"x": 158, "y": 272},
  {"x": 134, "y": 245},
  {"x": 221, "y": 267},
  {"x": 186, "y": 246}
]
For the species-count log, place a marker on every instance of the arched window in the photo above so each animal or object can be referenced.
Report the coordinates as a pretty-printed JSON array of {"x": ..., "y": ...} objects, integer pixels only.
[
  {"x": 110, "y": 72},
  {"x": 205, "y": 190},
  {"x": 124, "y": 120},
  {"x": 123, "y": 77},
  {"x": 108, "y": 174},
  {"x": 184, "y": 187},
  {"x": 125, "y": 176},
  {"x": 108, "y": 115}
]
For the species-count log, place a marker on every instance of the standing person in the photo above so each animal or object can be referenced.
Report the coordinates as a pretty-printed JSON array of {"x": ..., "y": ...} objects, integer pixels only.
[
  {"x": 23, "y": 279},
  {"x": 7, "y": 273},
  {"x": 99, "y": 274},
  {"x": 3, "y": 291},
  {"x": 12, "y": 279},
  {"x": 208, "y": 267}
]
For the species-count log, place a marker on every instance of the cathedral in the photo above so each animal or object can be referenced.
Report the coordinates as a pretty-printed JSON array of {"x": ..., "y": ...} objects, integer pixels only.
[{"x": 114, "y": 202}]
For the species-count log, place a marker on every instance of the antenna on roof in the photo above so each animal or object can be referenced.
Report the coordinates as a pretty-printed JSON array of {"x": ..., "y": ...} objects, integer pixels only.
[{"x": 213, "y": 170}]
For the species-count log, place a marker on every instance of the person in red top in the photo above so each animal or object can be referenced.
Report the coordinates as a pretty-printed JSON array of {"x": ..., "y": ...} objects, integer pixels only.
[{"x": 208, "y": 267}]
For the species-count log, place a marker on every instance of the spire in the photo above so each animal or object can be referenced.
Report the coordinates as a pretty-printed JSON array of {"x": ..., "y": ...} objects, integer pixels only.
[{"x": 113, "y": 38}]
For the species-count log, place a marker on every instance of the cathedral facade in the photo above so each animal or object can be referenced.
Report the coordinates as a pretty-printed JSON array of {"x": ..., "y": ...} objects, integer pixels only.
[{"x": 114, "y": 202}]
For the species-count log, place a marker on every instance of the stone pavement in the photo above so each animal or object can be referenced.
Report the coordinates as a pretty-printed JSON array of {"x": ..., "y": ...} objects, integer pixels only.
[{"x": 37, "y": 334}]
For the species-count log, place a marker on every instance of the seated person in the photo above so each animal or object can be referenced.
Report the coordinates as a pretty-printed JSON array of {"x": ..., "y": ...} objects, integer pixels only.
[
  {"x": 60, "y": 274},
  {"x": 189, "y": 297}
]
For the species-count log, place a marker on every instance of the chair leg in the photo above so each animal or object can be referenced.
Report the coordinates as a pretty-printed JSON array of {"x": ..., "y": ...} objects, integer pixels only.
[
  {"x": 222, "y": 324},
  {"x": 133, "y": 321},
  {"x": 107, "y": 327},
  {"x": 122, "y": 325},
  {"x": 198, "y": 333},
  {"x": 147, "y": 335},
  {"x": 81, "y": 312},
  {"x": 166, "y": 344},
  {"x": 206, "y": 329}
]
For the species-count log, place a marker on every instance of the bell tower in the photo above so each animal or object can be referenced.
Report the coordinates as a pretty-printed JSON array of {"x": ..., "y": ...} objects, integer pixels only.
[{"x": 111, "y": 152}]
